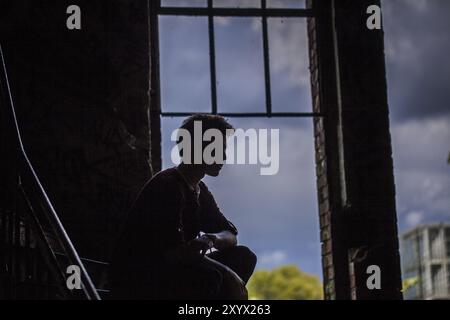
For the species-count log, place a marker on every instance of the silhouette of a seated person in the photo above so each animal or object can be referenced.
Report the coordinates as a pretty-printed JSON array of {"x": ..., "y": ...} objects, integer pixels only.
[{"x": 160, "y": 253}]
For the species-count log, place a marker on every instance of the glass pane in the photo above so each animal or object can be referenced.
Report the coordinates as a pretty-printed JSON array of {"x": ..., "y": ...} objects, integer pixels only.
[
  {"x": 184, "y": 64},
  {"x": 266, "y": 208},
  {"x": 299, "y": 4},
  {"x": 183, "y": 3},
  {"x": 289, "y": 65},
  {"x": 240, "y": 66},
  {"x": 237, "y": 3}
]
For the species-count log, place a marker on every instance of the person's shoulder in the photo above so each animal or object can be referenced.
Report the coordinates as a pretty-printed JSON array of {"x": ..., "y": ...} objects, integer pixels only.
[
  {"x": 204, "y": 191},
  {"x": 164, "y": 175},
  {"x": 165, "y": 180},
  {"x": 203, "y": 186}
]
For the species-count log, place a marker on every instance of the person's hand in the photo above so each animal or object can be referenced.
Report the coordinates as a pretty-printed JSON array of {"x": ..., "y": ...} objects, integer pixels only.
[
  {"x": 214, "y": 237},
  {"x": 202, "y": 244},
  {"x": 222, "y": 240}
]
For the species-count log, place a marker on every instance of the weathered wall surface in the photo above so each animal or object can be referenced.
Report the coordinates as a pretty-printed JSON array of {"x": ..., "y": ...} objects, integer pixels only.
[
  {"x": 82, "y": 98},
  {"x": 355, "y": 181}
]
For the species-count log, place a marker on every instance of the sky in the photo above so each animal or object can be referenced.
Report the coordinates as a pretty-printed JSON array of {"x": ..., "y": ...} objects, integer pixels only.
[{"x": 277, "y": 216}]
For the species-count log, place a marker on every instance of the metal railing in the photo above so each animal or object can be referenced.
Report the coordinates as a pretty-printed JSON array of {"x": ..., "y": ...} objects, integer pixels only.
[{"x": 39, "y": 205}]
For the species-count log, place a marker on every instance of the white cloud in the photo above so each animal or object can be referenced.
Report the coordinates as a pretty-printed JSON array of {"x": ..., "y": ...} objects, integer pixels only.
[
  {"x": 403, "y": 50},
  {"x": 288, "y": 49},
  {"x": 418, "y": 5},
  {"x": 273, "y": 258},
  {"x": 420, "y": 150},
  {"x": 414, "y": 218},
  {"x": 236, "y": 3},
  {"x": 421, "y": 144},
  {"x": 222, "y": 21}
]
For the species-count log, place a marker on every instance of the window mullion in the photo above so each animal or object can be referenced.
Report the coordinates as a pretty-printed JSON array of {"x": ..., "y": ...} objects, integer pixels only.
[
  {"x": 212, "y": 58},
  {"x": 266, "y": 62}
]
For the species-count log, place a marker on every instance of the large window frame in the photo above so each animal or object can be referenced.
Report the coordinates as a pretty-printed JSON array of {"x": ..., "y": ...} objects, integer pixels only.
[{"x": 210, "y": 11}]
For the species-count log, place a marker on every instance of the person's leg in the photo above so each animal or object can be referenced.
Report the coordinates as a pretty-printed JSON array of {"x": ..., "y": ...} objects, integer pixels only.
[
  {"x": 198, "y": 281},
  {"x": 125, "y": 283},
  {"x": 239, "y": 258},
  {"x": 220, "y": 275},
  {"x": 202, "y": 279},
  {"x": 232, "y": 287}
]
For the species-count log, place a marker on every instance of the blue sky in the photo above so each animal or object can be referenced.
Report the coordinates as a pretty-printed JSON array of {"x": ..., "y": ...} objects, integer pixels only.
[{"x": 277, "y": 216}]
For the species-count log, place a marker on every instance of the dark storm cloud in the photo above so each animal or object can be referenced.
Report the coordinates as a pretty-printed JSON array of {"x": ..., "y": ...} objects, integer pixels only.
[
  {"x": 418, "y": 74},
  {"x": 417, "y": 57}
]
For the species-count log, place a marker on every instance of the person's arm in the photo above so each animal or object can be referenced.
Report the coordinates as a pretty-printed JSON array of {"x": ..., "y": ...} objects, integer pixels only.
[
  {"x": 221, "y": 231},
  {"x": 223, "y": 239},
  {"x": 192, "y": 250},
  {"x": 198, "y": 247}
]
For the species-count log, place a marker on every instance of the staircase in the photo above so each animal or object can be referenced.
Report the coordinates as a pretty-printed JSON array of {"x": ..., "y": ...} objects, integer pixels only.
[{"x": 35, "y": 250}]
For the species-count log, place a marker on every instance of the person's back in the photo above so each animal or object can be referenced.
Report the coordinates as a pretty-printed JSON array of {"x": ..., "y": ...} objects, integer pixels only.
[{"x": 140, "y": 234}]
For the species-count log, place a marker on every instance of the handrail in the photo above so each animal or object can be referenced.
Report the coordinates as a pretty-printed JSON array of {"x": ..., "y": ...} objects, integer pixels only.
[
  {"x": 87, "y": 285},
  {"x": 87, "y": 260}
]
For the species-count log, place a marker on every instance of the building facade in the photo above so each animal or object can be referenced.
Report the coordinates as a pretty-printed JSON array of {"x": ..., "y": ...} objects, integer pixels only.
[{"x": 425, "y": 253}]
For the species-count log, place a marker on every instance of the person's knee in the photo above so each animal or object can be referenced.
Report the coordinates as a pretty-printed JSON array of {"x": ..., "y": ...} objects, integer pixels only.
[
  {"x": 210, "y": 286},
  {"x": 245, "y": 254}
]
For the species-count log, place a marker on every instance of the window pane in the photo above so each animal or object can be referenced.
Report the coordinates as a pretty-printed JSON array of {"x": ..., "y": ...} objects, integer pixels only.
[
  {"x": 448, "y": 279},
  {"x": 438, "y": 280},
  {"x": 240, "y": 66},
  {"x": 286, "y": 4},
  {"x": 289, "y": 65},
  {"x": 237, "y": 3},
  {"x": 184, "y": 69},
  {"x": 447, "y": 239},
  {"x": 183, "y": 3},
  {"x": 435, "y": 244}
]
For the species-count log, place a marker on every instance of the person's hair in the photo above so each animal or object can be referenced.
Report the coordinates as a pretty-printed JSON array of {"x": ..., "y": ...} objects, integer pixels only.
[{"x": 209, "y": 121}]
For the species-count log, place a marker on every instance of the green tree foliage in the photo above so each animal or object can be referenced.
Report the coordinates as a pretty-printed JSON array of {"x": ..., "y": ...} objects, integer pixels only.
[{"x": 284, "y": 283}]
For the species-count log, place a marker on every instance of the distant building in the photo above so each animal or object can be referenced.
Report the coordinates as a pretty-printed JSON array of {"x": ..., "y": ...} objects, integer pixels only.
[{"x": 425, "y": 256}]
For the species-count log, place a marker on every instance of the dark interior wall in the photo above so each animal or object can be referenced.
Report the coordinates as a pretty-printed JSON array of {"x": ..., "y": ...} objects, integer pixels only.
[{"x": 82, "y": 98}]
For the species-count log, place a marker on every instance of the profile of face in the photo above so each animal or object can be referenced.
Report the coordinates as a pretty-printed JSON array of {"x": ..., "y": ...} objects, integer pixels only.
[{"x": 213, "y": 170}]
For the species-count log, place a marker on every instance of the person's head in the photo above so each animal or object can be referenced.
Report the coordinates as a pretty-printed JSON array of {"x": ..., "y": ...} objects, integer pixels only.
[{"x": 210, "y": 143}]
